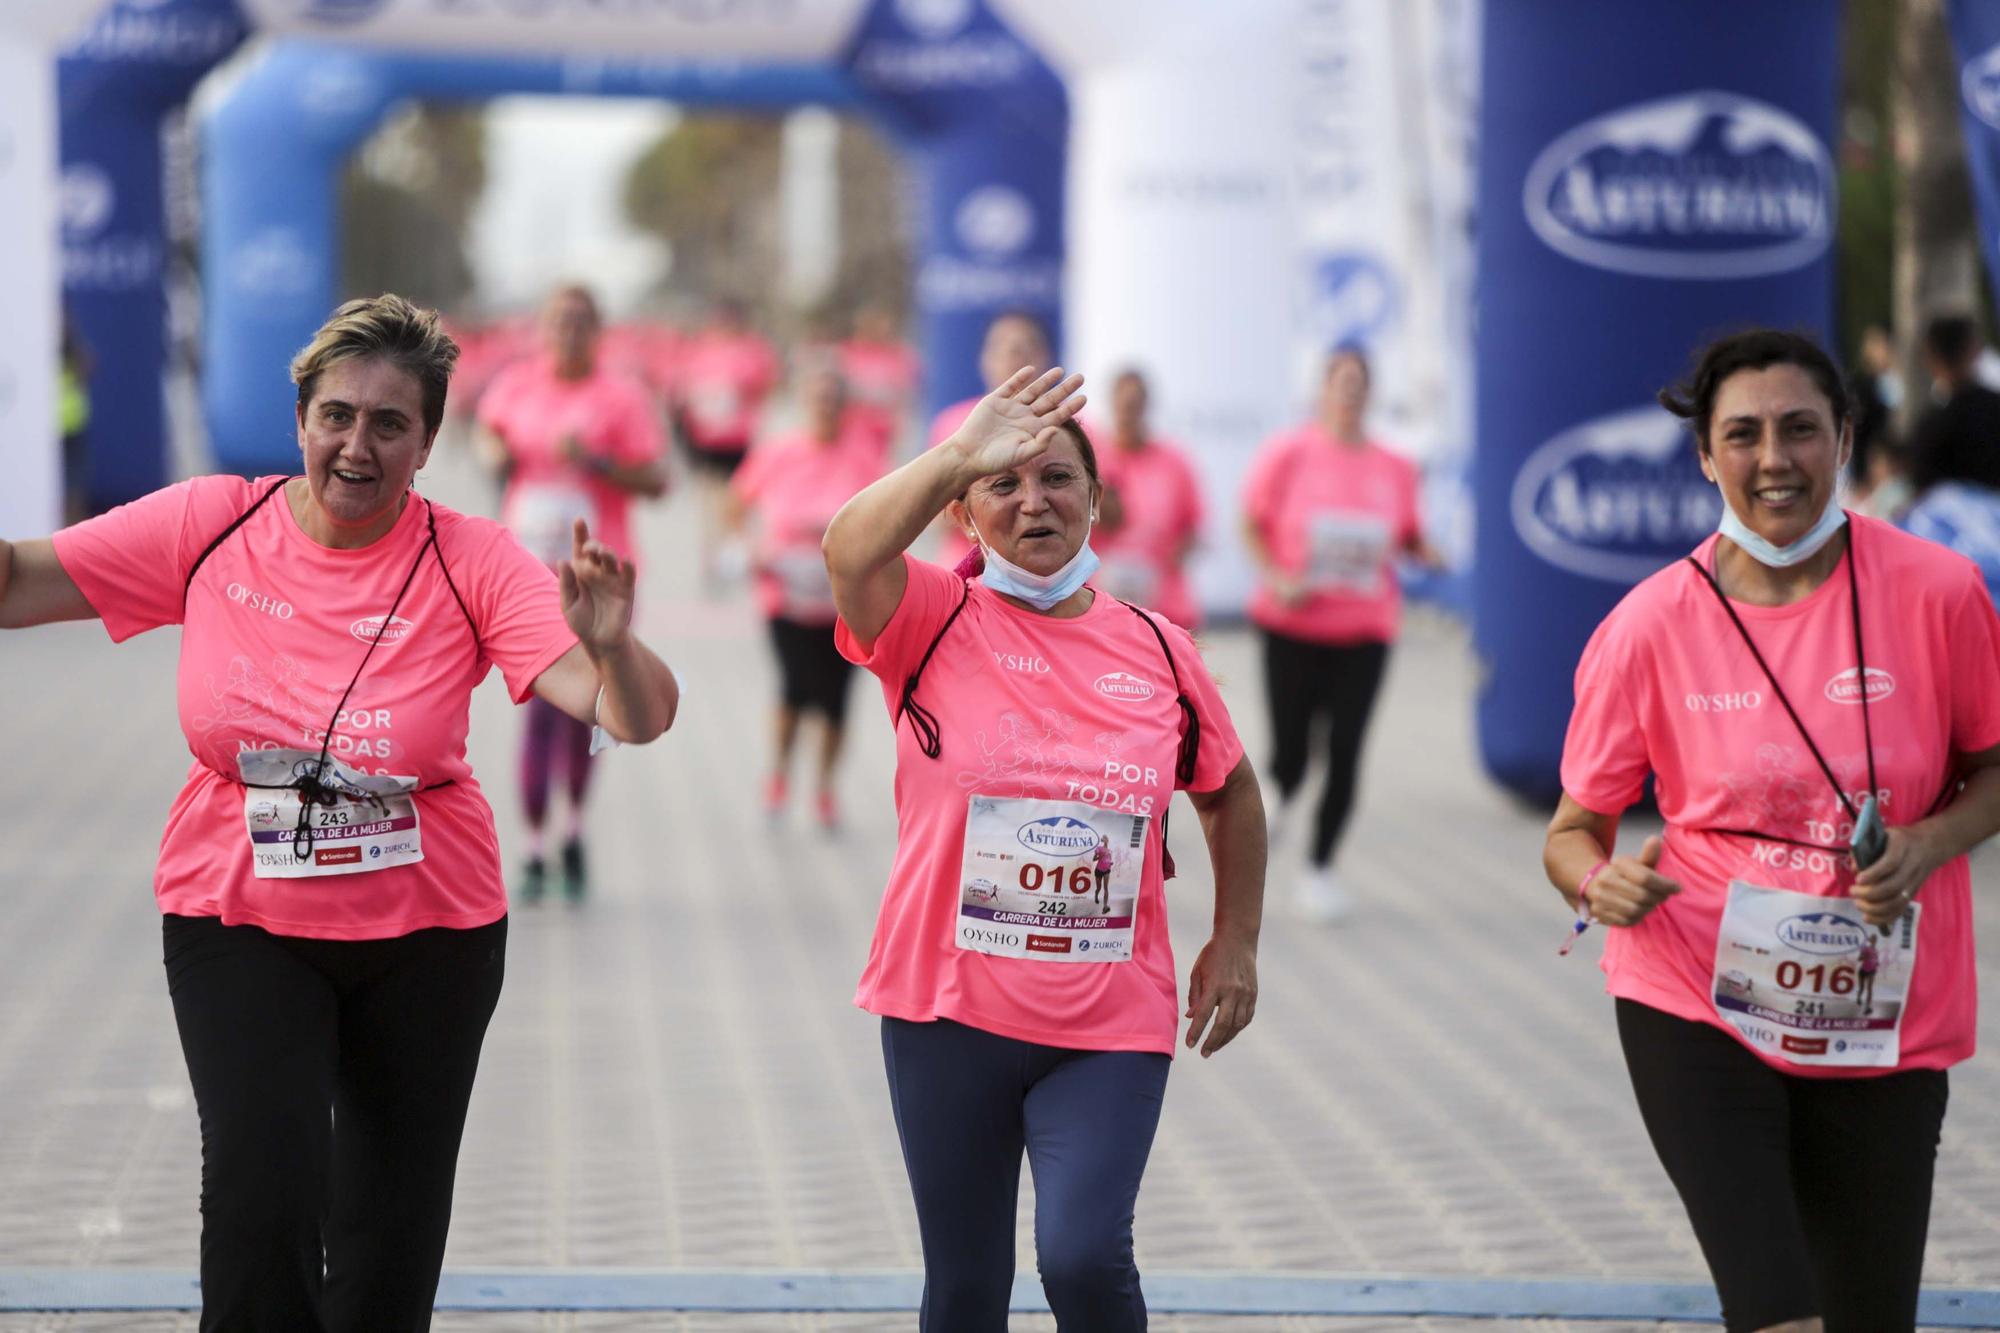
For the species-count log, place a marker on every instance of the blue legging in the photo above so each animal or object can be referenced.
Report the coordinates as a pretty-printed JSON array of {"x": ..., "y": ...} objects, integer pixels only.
[{"x": 967, "y": 1103}]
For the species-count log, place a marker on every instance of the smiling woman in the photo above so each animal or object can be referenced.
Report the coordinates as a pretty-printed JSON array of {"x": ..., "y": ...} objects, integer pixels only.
[
  {"x": 330, "y": 646},
  {"x": 1803, "y": 679}
]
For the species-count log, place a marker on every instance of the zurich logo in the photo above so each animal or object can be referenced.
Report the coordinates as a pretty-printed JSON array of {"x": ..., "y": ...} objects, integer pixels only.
[
  {"x": 338, "y": 11},
  {"x": 1058, "y": 835},
  {"x": 1614, "y": 498},
  {"x": 1980, "y": 84},
  {"x": 935, "y": 20},
  {"x": 1354, "y": 299},
  {"x": 1826, "y": 933},
  {"x": 87, "y": 199},
  {"x": 1701, "y": 185},
  {"x": 995, "y": 221}
]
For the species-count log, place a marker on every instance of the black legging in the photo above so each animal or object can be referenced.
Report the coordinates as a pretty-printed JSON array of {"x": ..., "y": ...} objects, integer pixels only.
[
  {"x": 1810, "y": 1196},
  {"x": 1303, "y": 681},
  {"x": 332, "y": 1078}
]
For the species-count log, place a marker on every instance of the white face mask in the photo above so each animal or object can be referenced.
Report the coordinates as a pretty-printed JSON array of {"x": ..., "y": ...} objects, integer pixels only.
[
  {"x": 1831, "y": 520},
  {"x": 1041, "y": 591}
]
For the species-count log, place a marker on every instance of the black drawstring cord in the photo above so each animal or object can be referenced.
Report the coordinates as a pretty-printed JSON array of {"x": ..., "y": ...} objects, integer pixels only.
[{"x": 923, "y": 722}]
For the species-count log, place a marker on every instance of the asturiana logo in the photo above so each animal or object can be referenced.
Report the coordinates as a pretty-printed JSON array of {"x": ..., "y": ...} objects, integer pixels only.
[
  {"x": 1058, "y": 835},
  {"x": 1826, "y": 933},
  {"x": 1846, "y": 688},
  {"x": 1614, "y": 498},
  {"x": 1124, "y": 685},
  {"x": 1980, "y": 84},
  {"x": 1704, "y": 185},
  {"x": 397, "y": 630}
]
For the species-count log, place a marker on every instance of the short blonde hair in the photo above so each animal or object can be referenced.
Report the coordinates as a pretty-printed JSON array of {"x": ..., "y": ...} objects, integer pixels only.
[{"x": 406, "y": 335}]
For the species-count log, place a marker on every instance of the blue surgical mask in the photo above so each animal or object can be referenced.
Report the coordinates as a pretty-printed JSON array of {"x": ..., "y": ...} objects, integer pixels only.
[
  {"x": 1041, "y": 591},
  {"x": 1831, "y": 520}
]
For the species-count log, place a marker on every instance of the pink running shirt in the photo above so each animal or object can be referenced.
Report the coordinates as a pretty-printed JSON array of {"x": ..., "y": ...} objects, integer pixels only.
[
  {"x": 274, "y": 626},
  {"x": 611, "y": 415},
  {"x": 1161, "y": 498},
  {"x": 1337, "y": 516},
  {"x": 721, "y": 384},
  {"x": 1030, "y": 706},
  {"x": 794, "y": 486},
  {"x": 1667, "y": 686}
]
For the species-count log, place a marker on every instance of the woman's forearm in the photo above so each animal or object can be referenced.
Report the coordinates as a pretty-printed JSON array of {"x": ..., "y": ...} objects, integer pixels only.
[
  {"x": 882, "y": 522},
  {"x": 1233, "y": 824},
  {"x": 640, "y": 692},
  {"x": 1970, "y": 819},
  {"x": 1579, "y": 839}
]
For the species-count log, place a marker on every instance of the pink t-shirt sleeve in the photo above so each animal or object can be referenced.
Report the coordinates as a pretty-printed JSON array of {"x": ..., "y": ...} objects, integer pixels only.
[
  {"x": 1605, "y": 758},
  {"x": 1260, "y": 487},
  {"x": 754, "y": 476},
  {"x": 1221, "y": 747},
  {"x": 930, "y": 597},
  {"x": 1975, "y": 670},
  {"x": 131, "y": 563},
  {"x": 516, "y": 608}
]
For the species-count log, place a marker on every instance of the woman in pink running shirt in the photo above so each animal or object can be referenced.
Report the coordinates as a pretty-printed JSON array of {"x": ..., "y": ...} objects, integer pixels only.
[
  {"x": 574, "y": 439},
  {"x": 1034, "y": 719},
  {"x": 724, "y": 375},
  {"x": 1155, "y": 497},
  {"x": 333, "y": 913},
  {"x": 1804, "y": 672},
  {"x": 1327, "y": 514},
  {"x": 882, "y": 374},
  {"x": 791, "y": 486}
]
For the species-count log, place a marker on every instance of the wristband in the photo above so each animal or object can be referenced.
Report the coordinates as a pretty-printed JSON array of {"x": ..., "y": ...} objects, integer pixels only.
[{"x": 1582, "y": 922}]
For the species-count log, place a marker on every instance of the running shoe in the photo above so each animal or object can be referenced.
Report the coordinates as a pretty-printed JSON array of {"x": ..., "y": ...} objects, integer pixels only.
[
  {"x": 534, "y": 880},
  {"x": 1321, "y": 898},
  {"x": 574, "y": 879},
  {"x": 776, "y": 792},
  {"x": 827, "y": 812}
]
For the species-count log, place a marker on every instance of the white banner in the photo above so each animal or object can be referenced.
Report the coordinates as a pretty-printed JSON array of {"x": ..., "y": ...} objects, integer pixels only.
[
  {"x": 774, "y": 31},
  {"x": 30, "y": 291},
  {"x": 1182, "y": 234}
]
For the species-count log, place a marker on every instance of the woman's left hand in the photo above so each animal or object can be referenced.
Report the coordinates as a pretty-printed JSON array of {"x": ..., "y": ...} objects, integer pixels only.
[
  {"x": 1883, "y": 891},
  {"x": 1222, "y": 985},
  {"x": 597, "y": 593}
]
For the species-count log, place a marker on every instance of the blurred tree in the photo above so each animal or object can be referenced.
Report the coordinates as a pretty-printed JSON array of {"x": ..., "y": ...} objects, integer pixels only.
[
  {"x": 1936, "y": 231},
  {"x": 709, "y": 188},
  {"x": 406, "y": 199},
  {"x": 1867, "y": 173}
]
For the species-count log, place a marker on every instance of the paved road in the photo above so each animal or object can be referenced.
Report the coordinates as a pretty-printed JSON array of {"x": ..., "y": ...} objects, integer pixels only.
[{"x": 676, "y": 1077}]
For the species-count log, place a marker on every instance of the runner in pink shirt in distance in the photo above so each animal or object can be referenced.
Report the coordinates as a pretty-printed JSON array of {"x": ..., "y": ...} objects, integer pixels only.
[
  {"x": 334, "y": 919},
  {"x": 1152, "y": 511},
  {"x": 726, "y": 373},
  {"x": 882, "y": 373},
  {"x": 1801, "y": 672},
  {"x": 1035, "y": 718},
  {"x": 1327, "y": 514},
  {"x": 791, "y": 486},
  {"x": 574, "y": 439},
  {"x": 1014, "y": 338}
]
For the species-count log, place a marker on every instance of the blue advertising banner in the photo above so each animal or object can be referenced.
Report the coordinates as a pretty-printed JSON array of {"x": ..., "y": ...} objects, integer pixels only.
[
  {"x": 1975, "y": 34},
  {"x": 1643, "y": 187},
  {"x": 115, "y": 87}
]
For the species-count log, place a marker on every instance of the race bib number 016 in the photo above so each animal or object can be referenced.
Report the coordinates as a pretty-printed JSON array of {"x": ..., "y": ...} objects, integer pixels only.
[
  {"x": 371, "y": 825},
  {"x": 1807, "y": 980},
  {"x": 1053, "y": 881}
]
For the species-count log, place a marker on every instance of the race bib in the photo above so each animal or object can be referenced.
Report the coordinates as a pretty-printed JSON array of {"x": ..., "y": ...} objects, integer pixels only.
[
  {"x": 1053, "y": 881},
  {"x": 1345, "y": 551},
  {"x": 806, "y": 592},
  {"x": 542, "y": 517},
  {"x": 371, "y": 825},
  {"x": 1129, "y": 579},
  {"x": 714, "y": 407},
  {"x": 1807, "y": 980}
]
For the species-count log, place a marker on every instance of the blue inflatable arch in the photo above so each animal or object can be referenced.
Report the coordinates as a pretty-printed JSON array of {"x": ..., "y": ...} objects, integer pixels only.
[{"x": 988, "y": 164}]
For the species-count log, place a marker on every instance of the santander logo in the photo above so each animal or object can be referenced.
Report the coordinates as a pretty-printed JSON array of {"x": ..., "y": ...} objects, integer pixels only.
[
  {"x": 1124, "y": 685},
  {"x": 1846, "y": 688},
  {"x": 397, "y": 630}
]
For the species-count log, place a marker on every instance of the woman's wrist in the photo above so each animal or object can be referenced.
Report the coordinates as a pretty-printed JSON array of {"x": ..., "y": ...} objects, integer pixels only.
[{"x": 612, "y": 653}]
